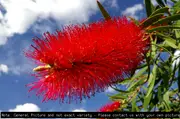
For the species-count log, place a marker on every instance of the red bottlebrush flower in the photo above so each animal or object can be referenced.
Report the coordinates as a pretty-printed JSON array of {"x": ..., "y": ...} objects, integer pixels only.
[
  {"x": 83, "y": 59},
  {"x": 110, "y": 107}
]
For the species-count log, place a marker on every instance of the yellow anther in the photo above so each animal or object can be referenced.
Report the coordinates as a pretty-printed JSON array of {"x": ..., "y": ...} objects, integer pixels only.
[{"x": 42, "y": 68}]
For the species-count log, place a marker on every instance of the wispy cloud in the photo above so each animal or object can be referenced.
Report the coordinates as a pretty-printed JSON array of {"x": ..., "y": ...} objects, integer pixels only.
[
  {"x": 133, "y": 10},
  {"x": 114, "y": 3},
  {"x": 21, "y": 14},
  {"x": 12, "y": 56},
  {"x": 3, "y": 68},
  {"x": 27, "y": 107}
]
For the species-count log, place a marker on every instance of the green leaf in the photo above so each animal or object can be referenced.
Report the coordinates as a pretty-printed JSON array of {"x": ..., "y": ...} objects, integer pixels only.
[
  {"x": 149, "y": 7},
  {"x": 166, "y": 101},
  {"x": 167, "y": 19},
  {"x": 118, "y": 96},
  {"x": 179, "y": 78},
  {"x": 170, "y": 41},
  {"x": 103, "y": 11},
  {"x": 161, "y": 10},
  {"x": 151, "y": 81},
  {"x": 134, "y": 105},
  {"x": 162, "y": 28},
  {"x": 125, "y": 81},
  {"x": 173, "y": 92},
  {"x": 176, "y": 8},
  {"x": 147, "y": 101},
  {"x": 177, "y": 32},
  {"x": 151, "y": 20},
  {"x": 160, "y": 93},
  {"x": 139, "y": 73},
  {"x": 137, "y": 83},
  {"x": 133, "y": 20}
]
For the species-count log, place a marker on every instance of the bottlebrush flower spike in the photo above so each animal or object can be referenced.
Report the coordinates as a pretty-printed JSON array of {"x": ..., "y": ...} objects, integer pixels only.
[
  {"x": 83, "y": 59},
  {"x": 110, "y": 107}
]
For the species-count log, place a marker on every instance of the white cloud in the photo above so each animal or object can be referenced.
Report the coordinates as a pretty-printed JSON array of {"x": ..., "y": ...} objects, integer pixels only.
[
  {"x": 110, "y": 90},
  {"x": 3, "y": 40},
  {"x": 176, "y": 58},
  {"x": 41, "y": 28},
  {"x": 15, "y": 60},
  {"x": 1, "y": 15},
  {"x": 3, "y": 68},
  {"x": 114, "y": 4},
  {"x": 27, "y": 107},
  {"x": 21, "y": 14},
  {"x": 79, "y": 110},
  {"x": 132, "y": 11}
]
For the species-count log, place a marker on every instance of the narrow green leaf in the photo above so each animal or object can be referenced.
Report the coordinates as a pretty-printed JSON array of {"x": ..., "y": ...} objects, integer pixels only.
[
  {"x": 143, "y": 87},
  {"x": 173, "y": 92},
  {"x": 103, "y": 11},
  {"x": 151, "y": 20},
  {"x": 177, "y": 33},
  {"x": 137, "y": 83},
  {"x": 170, "y": 41},
  {"x": 153, "y": 53},
  {"x": 118, "y": 96},
  {"x": 134, "y": 105},
  {"x": 179, "y": 78},
  {"x": 167, "y": 19},
  {"x": 133, "y": 20},
  {"x": 166, "y": 101},
  {"x": 160, "y": 10},
  {"x": 151, "y": 81},
  {"x": 147, "y": 101},
  {"x": 163, "y": 28},
  {"x": 125, "y": 81},
  {"x": 149, "y": 7},
  {"x": 139, "y": 73},
  {"x": 176, "y": 8},
  {"x": 160, "y": 93}
]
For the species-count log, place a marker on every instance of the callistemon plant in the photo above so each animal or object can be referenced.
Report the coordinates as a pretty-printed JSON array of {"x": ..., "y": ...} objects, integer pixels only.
[
  {"x": 83, "y": 59},
  {"x": 80, "y": 60},
  {"x": 111, "y": 107}
]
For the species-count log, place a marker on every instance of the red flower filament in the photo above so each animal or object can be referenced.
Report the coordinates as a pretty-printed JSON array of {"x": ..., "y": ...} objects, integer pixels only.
[
  {"x": 110, "y": 107},
  {"x": 83, "y": 59}
]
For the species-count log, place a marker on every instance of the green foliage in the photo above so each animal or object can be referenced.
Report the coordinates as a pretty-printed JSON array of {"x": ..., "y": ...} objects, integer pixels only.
[
  {"x": 156, "y": 85},
  {"x": 149, "y": 7},
  {"x": 103, "y": 11}
]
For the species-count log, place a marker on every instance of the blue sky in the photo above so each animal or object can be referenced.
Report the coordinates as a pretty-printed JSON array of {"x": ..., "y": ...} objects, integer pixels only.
[{"x": 21, "y": 20}]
